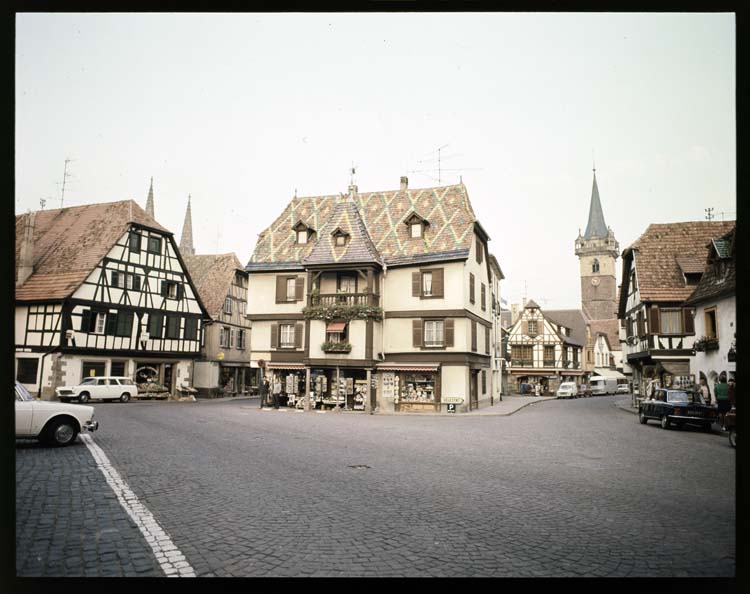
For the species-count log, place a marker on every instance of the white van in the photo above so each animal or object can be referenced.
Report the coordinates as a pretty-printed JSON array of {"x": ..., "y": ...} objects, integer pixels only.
[{"x": 603, "y": 385}]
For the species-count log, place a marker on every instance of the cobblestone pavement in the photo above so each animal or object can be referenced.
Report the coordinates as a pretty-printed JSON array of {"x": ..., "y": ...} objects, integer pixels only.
[{"x": 560, "y": 488}]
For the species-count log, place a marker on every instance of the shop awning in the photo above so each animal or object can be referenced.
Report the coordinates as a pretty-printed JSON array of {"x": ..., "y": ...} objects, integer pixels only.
[
  {"x": 407, "y": 367},
  {"x": 610, "y": 373},
  {"x": 335, "y": 326},
  {"x": 295, "y": 366}
]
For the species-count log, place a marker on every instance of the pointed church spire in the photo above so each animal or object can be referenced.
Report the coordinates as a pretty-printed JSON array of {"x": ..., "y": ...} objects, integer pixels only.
[
  {"x": 596, "y": 226},
  {"x": 150, "y": 200},
  {"x": 186, "y": 242}
]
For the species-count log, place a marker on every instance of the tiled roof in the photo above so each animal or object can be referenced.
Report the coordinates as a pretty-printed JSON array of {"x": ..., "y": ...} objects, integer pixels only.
[
  {"x": 660, "y": 277},
  {"x": 569, "y": 318},
  {"x": 212, "y": 275},
  {"x": 719, "y": 279},
  {"x": 359, "y": 247},
  {"x": 447, "y": 209},
  {"x": 531, "y": 304},
  {"x": 610, "y": 328},
  {"x": 70, "y": 242},
  {"x": 691, "y": 265}
]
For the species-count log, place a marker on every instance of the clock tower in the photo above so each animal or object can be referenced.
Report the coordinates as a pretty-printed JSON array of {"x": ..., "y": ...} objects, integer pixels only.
[{"x": 597, "y": 249}]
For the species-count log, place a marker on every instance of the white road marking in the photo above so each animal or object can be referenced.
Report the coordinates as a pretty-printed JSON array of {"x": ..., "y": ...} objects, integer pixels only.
[{"x": 172, "y": 562}]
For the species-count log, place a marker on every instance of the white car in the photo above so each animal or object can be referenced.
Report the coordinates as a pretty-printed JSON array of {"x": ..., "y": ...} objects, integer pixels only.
[
  {"x": 567, "y": 390},
  {"x": 99, "y": 388},
  {"x": 623, "y": 389},
  {"x": 52, "y": 422}
]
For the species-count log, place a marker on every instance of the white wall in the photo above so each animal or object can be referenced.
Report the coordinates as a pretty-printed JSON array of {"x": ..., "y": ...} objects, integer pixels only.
[{"x": 726, "y": 322}]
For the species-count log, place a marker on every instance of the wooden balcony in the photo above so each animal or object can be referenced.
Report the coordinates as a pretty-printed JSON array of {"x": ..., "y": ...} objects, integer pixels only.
[{"x": 345, "y": 299}]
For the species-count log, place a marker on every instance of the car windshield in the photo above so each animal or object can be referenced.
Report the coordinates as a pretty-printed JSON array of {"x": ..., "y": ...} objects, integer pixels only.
[
  {"x": 22, "y": 393},
  {"x": 89, "y": 381},
  {"x": 680, "y": 396}
]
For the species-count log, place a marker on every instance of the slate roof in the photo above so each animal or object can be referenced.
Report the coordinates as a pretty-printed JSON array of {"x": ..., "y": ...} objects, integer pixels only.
[
  {"x": 358, "y": 249},
  {"x": 660, "y": 250},
  {"x": 570, "y": 318},
  {"x": 212, "y": 276},
  {"x": 596, "y": 226},
  {"x": 447, "y": 208},
  {"x": 719, "y": 278},
  {"x": 70, "y": 242}
]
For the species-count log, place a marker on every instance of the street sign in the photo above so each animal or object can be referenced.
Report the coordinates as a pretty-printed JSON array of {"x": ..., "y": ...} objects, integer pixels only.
[
  {"x": 451, "y": 408},
  {"x": 453, "y": 399},
  {"x": 220, "y": 356}
]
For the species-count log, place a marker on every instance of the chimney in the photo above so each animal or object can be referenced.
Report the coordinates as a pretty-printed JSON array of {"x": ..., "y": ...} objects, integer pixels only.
[
  {"x": 26, "y": 260},
  {"x": 404, "y": 183}
]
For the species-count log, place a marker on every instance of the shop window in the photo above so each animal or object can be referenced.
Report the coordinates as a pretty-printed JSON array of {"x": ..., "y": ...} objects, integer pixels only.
[
  {"x": 93, "y": 369},
  {"x": 417, "y": 387},
  {"x": 117, "y": 368},
  {"x": 286, "y": 335},
  {"x": 434, "y": 335},
  {"x": 27, "y": 370}
]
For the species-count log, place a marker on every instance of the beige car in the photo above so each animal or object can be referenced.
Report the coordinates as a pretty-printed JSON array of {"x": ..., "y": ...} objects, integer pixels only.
[
  {"x": 99, "y": 388},
  {"x": 54, "y": 423}
]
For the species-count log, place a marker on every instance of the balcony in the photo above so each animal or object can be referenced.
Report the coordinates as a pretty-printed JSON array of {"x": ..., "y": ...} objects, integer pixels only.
[
  {"x": 328, "y": 299},
  {"x": 343, "y": 306}
]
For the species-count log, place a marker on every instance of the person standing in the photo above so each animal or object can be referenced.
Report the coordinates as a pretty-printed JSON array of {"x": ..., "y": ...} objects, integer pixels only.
[
  {"x": 276, "y": 392},
  {"x": 705, "y": 392},
  {"x": 263, "y": 391},
  {"x": 721, "y": 391}
]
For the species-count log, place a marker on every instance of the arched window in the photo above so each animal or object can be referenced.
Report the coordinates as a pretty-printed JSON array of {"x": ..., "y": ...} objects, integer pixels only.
[{"x": 595, "y": 266}]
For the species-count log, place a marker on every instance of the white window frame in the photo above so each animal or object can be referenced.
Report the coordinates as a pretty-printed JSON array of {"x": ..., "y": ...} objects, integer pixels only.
[
  {"x": 415, "y": 231},
  {"x": 302, "y": 237},
  {"x": 427, "y": 284},
  {"x": 228, "y": 305},
  {"x": 291, "y": 284},
  {"x": 100, "y": 325},
  {"x": 172, "y": 290},
  {"x": 241, "y": 340},
  {"x": 434, "y": 333},
  {"x": 534, "y": 331},
  {"x": 286, "y": 335},
  {"x": 223, "y": 336}
]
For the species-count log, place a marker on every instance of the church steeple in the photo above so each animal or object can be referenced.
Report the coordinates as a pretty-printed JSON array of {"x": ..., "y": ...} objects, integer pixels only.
[
  {"x": 150, "y": 200},
  {"x": 596, "y": 226},
  {"x": 186, "y": 241}
]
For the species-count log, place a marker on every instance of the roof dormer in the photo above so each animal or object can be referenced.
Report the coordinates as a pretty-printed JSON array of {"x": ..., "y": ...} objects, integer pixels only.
[
  {"x": 302, "y": 233},
  {"x": 416, "y": 225},
  {"x": 340, "y": 237}
]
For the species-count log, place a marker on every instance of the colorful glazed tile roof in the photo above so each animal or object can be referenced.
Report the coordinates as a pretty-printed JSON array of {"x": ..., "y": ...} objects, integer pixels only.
[
  {"x": 660, "y": 277},
  {"x": 447, "y": 209},
  {"x": 70, "y": 242}
]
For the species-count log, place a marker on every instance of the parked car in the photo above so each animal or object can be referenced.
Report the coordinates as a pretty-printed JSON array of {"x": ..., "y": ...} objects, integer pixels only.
[
  {"x": 730, "y": 424},
  {"x": 677, "y": 406},
  {"x": 584, "y": 390},
  {"x": 567, "y": 390},
  {"x": 54, "y": 423},
  {"x": 99, "y": 388},
  {"x": 623, "y": 389}
]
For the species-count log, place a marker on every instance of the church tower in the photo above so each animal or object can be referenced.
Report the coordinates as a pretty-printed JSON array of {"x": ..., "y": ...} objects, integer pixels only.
[
  {"x": 186, "y": 242},
  {"x": 597, "y": 249}
]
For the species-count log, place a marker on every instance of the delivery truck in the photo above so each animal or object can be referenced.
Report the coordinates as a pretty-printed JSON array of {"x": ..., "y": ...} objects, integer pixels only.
[{"x": 603, "y": 385}]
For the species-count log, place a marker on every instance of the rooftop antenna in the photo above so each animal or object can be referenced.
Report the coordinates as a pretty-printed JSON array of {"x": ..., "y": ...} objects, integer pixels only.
[
  {"x": 352, "y": 171},
  {"x": 42, "y": 201},
  {"x": 709, "y": 213},
  {"x": 66, "y": 175},
  {"x": 430, "y": 171}
]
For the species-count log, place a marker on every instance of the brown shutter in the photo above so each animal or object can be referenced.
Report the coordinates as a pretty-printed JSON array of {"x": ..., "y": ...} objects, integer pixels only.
[
  {"x": 297, "y": 336},
  {"x": 653, "y": 320},
  {"x": 299, "y": 288},
  {"x": 437, "y": 282},
  {"x": 688, "y": 326},
  {"x": 416, "y": 284},
  {"x": 274, "y": 336},
  {"x": 486, "y": 340},
  {"x": 449, "y": 333},
  {"x": 473, "y": 335},
  {"x": 280, "y": 289},
  {"x": 525, "y": 328},
  {"x": 416, "y": 333},
  {"x": 484, "y": 297},
  {"x": 471, "y": 288}
]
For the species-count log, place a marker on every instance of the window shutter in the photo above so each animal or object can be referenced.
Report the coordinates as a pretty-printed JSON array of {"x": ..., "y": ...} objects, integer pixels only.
[
  {"x": 298, "y": 336},
  {"x": 86, "y": 320},
  {"x": 484, "y": 297},
  {"x": 473, "y": 335},
  {"x": 486, "y": 340},
  {"x": 114, "y": 278},
  {"x": 416, "y": 284},
  {"x": 180, "y": 291},
  {"x": 275, "y": 333},
  {"x": 525, "y": 328},
  {"x": 480, "y": 251},
  {"x": 688, "y": 325},
  {"x": 449, "y": 332},
  {"x": 416, "y": 333},
  {"x": 653, "y": 319},
  {"x": 437, "y": 282},
  {"x": 299, "y": 288},
  {"x": 163, "y": 288},
  {"x": 110, "y": 324},
  {"x": 471, "y": 288},
  {"x": 280, "y": 289},
  {"x": 136, "y": 282}
]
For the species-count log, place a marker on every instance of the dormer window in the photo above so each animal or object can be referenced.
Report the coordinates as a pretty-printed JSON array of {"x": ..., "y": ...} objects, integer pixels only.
[
  {"x": 340, "y": 237},
  {"x": 302, "y": 233},
  {"x": 301, "y": 237},
  {"x": 416, "y": 225}
]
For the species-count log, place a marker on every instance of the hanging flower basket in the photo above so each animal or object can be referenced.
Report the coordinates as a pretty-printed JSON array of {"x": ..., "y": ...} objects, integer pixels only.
[
  {"x": 342, "y": 312},
  {"x": 336, "y": 347}
]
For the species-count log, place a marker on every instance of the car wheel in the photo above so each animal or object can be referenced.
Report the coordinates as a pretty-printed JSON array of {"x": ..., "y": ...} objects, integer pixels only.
[
  {"x": 83, "y": 397},
  {"x": 642, "y": 418},
  {"x": 61, "y": 432},
  {"x": 665, "y": 423},
  {"x": 125, "y": 397},
  {"x": 733, "y": 438}
]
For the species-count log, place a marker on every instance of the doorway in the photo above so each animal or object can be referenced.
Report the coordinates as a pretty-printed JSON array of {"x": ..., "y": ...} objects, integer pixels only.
[{"x": 473, "y": 391}]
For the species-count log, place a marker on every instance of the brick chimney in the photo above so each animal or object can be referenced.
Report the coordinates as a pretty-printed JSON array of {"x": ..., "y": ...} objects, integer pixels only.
[
  {"x": 404, "y": 183},
  {"x": 26, "y": 260}
]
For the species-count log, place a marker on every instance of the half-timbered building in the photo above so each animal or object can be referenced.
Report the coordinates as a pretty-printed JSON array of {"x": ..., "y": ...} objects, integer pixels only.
[
  {"x": 101, "y": 289},
  {"x": 660, "y": 270},
  {"x": 377, "y": 300}
]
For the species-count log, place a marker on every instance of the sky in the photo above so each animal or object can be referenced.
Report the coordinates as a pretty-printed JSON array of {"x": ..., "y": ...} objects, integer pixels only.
[{"x": 239, "y": 111}]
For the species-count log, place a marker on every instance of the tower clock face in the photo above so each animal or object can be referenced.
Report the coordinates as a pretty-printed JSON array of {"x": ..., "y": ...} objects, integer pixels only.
[{"x": 595, "y": 281}]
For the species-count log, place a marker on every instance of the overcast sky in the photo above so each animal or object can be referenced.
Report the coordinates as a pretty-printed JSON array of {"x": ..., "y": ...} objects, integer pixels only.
[{"x": 239, "y": 110}]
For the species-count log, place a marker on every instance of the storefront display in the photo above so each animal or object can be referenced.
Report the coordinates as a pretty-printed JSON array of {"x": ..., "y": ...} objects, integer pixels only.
[{"x": 416, "y": 392}]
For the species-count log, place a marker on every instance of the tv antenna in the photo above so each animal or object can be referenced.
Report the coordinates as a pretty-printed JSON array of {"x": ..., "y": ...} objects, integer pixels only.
[
  {"x": 66, "y": 175},
  {"x": 709, "y": 213},
  {"x": 429, "y": 168},
  {"x": 43, "y": 201},
  {"x": 352, "y": 171}
]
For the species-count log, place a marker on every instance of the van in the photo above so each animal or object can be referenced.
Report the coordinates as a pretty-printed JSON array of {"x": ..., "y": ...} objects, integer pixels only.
[
  {"x": 603, "y": 385},
  {"x": 567, "y": 390}
]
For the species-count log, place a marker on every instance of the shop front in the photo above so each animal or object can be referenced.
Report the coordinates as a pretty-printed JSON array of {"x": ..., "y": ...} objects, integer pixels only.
[
  {"x": 411, "y": 388},
  {"x": 234, "y": 378},
  {"x": 330, "y": 387}
]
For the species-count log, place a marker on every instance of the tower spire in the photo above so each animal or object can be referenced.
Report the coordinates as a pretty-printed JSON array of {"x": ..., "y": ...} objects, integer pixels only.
[
  {"x": 150, "y": 200},
  {"x": 186, "y": 241},
  {"x": 596, "y": 226}
]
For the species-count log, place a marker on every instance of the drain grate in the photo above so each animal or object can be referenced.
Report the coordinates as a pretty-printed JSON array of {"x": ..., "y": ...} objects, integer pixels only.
[{"x": 359, "y": 466}]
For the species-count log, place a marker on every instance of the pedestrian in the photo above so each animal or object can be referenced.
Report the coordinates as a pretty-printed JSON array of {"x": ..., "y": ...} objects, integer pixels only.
[
  {"x": 721, "y": 392},
  {"x": 276, "y": 392},
  {"x": 263, "y": 391},
  {"x": 536, "y": 389},
  {"x": 732, "y": 396},
  {"x": 705, "y": 392}
]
